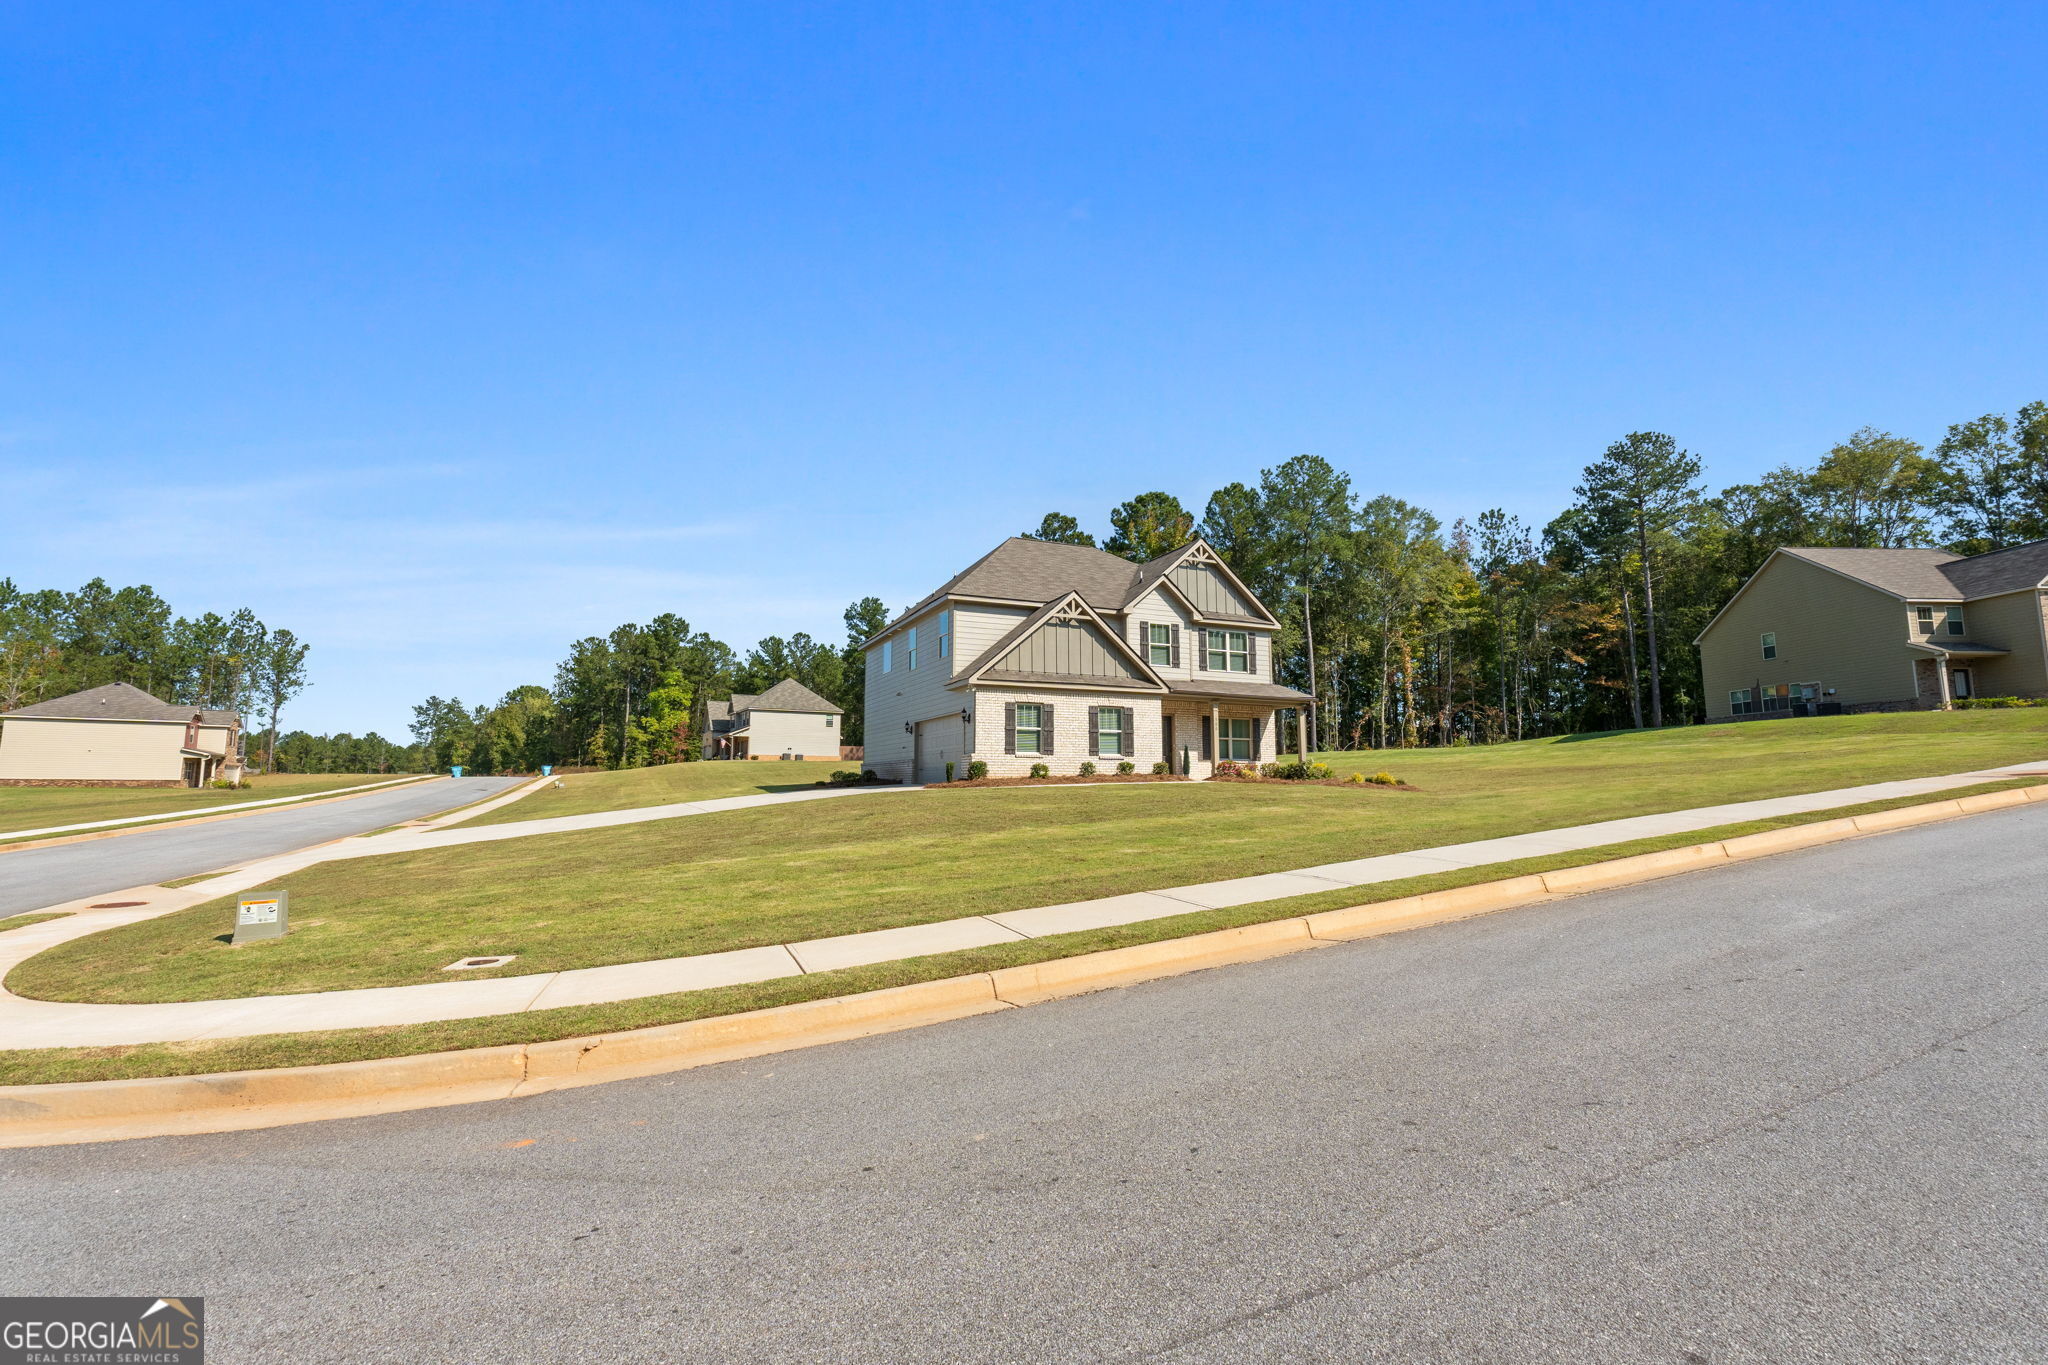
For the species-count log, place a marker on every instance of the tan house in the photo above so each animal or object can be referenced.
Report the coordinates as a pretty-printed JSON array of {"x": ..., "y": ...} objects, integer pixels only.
[
  {"x": 1064, "y": 655},
  {"x": 117, "y": 736},
  {"x": 787, "y": 721},
  {"x": 1816, "y": 631}
]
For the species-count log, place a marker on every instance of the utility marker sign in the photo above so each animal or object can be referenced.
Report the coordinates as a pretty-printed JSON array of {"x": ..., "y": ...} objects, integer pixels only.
[{"x": 261, "y": 915}]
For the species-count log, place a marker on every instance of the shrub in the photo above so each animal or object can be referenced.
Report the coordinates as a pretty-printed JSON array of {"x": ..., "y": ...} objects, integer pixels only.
[
  {"x": 1385, "y": 779},
  {"x": 1126, "y": 768},
  {"x": 1161, "y": 770},
  {"x": 1269, "y": 770},
  {"x": 1356, "y": 779},
  {"x": 1998, "y": 703},
  {"x": 949, "y": 772},
  {"x": 977, "y": 770},
  {"x": 1040, "y": 770},
  {"x": 867, "y": 774},
  {"x": 1087, "y": 770},
  {"x": 1295, "y": 771}
]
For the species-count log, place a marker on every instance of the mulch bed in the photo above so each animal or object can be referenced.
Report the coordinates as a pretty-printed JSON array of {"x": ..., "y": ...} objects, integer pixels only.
[{"x": 1071, "y": 781}]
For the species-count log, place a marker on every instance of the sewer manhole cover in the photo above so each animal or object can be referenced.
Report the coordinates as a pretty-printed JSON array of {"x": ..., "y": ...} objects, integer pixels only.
[{"x": 116, "y": 905}]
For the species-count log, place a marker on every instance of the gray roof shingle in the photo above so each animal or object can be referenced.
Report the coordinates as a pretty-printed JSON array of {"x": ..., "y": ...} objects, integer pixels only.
[
  {"x": 118, "y": 701},
  {"x": 1936, "y": 575},
  {"x": 2009, "y": 570},
  {"x": 788, "y": 695}
]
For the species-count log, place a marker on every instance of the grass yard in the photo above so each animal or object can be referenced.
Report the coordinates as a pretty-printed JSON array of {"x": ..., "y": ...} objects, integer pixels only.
[
  {"x": 582, "y": 793},
  {"x": 778, "y": 874},
  {"x": 41, "y": 807}
]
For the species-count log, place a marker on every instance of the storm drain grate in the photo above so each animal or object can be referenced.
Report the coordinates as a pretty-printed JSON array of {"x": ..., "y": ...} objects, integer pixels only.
[{"x": 470, "y": 964}]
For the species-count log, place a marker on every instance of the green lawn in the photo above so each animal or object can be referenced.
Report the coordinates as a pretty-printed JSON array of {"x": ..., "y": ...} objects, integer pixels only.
[
  {"x": 582, "y": 793},
  {"x": 41, "y": 807},
  {"x": 778, "y": 874}
]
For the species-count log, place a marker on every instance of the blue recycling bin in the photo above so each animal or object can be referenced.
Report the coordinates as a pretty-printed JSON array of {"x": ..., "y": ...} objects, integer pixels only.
[
  {"x": 455, "y": 771},
  {"x": 547, "y": 770}
]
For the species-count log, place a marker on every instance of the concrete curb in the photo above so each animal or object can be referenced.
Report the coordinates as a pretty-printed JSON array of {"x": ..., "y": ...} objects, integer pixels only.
[
  {"x": 106, "y": 1111},
  {"x": 185, "y": 821}
]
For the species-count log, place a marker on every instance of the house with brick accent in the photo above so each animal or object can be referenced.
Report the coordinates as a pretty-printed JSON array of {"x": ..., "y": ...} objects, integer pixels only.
[
  {"x": 117, "y": 736},
  {"x": 1063, "y": 655},
  {"x": 1824, "y": 631}
]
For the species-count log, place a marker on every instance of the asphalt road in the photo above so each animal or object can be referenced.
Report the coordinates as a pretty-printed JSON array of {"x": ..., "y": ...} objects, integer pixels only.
[
  {"x": 33, "y": 878},
  {"x": 1795, "y": 1110}
]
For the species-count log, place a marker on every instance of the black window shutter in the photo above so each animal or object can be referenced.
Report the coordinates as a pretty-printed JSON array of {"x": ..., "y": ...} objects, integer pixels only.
[
  {"x": 1129, "y": 748},
  {"x": 1174, "y": 636},
  {"x": 1009, "y": 727},
  {"x": 1208, "y": 748},
  {"x": 1258, "y": 729},
  {"x": 1251, "y": 652},
  {"x": 1095, "y": 730},
  {"x": 1045, "y": 729},
  {"x": 1202, "y": 651}
]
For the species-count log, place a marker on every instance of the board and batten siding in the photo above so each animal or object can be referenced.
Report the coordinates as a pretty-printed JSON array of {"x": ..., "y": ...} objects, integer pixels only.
[
  {"x": 51, "y": 749},
  {"x": 1831, "y": 630},
  {"x": 905, "y": 696},
  {"x": 1208, "y": 590},
  {"x": 2010, "y": 621},
  {"x": 1071, "y": 649},
  {"x": 1162, "y": 608}
]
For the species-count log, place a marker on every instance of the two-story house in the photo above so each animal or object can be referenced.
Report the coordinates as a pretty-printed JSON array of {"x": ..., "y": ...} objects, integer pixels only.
[
  {"x": 1063, "y": 655},
  {"x": 787, "y": 721},
  {"x": 1817, "y": 630}
]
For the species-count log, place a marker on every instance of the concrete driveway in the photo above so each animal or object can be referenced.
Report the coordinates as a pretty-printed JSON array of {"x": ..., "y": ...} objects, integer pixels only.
[
  {"x": 1793, "y": 1110},
  {"x": 36, "y": 877}
]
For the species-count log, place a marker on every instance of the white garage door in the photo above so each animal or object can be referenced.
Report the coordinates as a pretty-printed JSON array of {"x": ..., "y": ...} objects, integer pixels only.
[{"x": 939, "y": 743}]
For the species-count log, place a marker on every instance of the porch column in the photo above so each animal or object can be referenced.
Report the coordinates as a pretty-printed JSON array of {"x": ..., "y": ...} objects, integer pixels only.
[
  {"x": 1301, "y": 734},
  {"x": 1948, "y": 701},
  {"x": 1215, "y": 735}
]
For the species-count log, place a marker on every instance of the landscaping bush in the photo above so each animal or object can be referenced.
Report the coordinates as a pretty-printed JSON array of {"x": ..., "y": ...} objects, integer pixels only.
[
  {"x": 1161, "y": 770},
  {"x": 1998, "y": 703},
  {"x": 976, "y": 770},
  {"x": 1384, "y": 779},
  {"x": 1297, "y": 771},
  {"x": 1087, "y": 770},
  {"x": 1040, "y": 770},
  {"x": 1226, "y": 768},
  {"x": 949, "y": 772},
  {"x": 222, "y": 784},
  {"x": 1126, "y": 768}
]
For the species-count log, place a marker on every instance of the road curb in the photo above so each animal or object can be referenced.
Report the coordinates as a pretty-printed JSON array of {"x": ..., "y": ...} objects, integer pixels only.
[{"x": 105, "y": 1111}]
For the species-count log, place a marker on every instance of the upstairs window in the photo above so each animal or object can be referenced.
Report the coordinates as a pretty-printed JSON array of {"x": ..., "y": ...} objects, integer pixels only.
[
  {"x": 888, "y": 655},
  {"x": 1229, "y": 652},
  {"x": 1770, "y": 644},
  {"x": 1926, "y": 618},
  {"x": 910, "y": 650},
  {"x": 945, "y": 635},
  {"x": 1030, "y": 728},
  {"x": 1955, "y": 620},
  {"x": 1159, "y": 646}
]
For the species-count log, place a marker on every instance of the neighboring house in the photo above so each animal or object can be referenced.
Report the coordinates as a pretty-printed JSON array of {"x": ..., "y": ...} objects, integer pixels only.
[
  {"x": 1879, "y": 630},
  {"x": 787, "y": 721},
  {"x": 1064, "y": 655},
  {"x": 117, "y": 736}
]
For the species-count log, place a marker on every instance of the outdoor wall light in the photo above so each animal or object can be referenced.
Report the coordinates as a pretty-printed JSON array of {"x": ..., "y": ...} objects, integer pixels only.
[{"x": 908, "y": 728}]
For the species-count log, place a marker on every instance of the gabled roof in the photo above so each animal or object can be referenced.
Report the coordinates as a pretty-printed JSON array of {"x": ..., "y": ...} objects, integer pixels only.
[
  {"x": 788, "y": 695},
  {"x": 2009, "y": 570},
  {"x": 1024, "y": 570},
  {"x": 118, "y": 701},
  {"x": 1071, "y": 605},
  {"x": 1914, "y": 575}
]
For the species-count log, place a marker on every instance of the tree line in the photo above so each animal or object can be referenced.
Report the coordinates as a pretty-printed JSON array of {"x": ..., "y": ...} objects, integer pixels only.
[
  {"x": 1410, "y": 632},
  {"x": 53, "y": 643}
]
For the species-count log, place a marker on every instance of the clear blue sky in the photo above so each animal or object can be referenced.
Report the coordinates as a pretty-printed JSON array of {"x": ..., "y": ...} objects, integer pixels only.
[{"x": 446, "y": 334}]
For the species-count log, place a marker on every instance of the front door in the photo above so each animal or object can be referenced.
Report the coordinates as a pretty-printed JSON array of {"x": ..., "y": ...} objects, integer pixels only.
[{"x": 1959, "y": 683}]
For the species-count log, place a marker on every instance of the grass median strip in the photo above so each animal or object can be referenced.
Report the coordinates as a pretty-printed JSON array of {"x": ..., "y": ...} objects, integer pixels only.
[
  {"x": 23, "y": 921},
  {"x": 51, "y": 1065},
  {"x": 785, "y": 874}
]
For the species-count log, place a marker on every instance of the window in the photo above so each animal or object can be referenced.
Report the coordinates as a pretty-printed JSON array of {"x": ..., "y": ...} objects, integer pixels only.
[
  {"x": 1234, "y": 741},
  {"x": 1777, "y": 698},
  {"x": 945, "y": 635},
  {"x": 1926, "y": 616},
  {"x": 1159, "y": 646},
  {"x": 1770, "y": 644},
  {"x": 1740, "y": 703},
  {"x": 830, "y": 721},
  {"x": 1109, "y": 730},
  {"x": 1030, "y": 728},
  {"x": 910, "y": 650},
  {"x": 1955, "y": 620},
  {"x": 1229, "y": 652},
  {"x": 888, "y": 655}
]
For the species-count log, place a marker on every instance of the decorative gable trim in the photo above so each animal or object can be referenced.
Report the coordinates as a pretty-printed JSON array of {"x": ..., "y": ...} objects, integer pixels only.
[
  {"x": 1200, "y": 554},
  {"x": 1069, "y": 609}
]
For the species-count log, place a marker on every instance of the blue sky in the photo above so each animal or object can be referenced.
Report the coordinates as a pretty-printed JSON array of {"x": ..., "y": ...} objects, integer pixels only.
[{"x": 446, "y": 334}]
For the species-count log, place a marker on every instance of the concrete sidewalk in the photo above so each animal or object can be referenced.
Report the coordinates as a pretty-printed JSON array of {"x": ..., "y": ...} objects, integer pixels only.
[{"x": 34, "y": 1023}]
